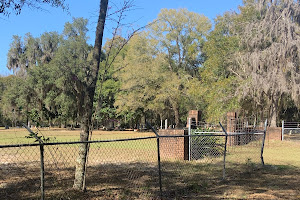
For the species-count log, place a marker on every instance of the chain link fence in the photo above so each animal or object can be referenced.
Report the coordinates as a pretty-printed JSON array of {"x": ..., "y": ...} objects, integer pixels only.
[{"x": 165, "y": 166}]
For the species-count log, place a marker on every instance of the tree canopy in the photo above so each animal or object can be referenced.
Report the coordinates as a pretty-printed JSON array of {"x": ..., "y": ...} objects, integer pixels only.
[
  {"x": 248, "y": 62},
  {"x": 15, "y": 6}
]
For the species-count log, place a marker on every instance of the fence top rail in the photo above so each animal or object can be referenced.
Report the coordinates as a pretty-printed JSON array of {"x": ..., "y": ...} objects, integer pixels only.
[
  {"x": 194, "y": 135},
  {"x": 232, "y": 133},
  {"x": 250, "y": 133},
  {"x": 207, "y": 134},
  {"x": 291, "y": 128},
  {"x": 212, "y": 132},
  {"x": 211, "y": 135},
  {"x": 291, "y": 122},
  {"x": 76, "y": 142}
]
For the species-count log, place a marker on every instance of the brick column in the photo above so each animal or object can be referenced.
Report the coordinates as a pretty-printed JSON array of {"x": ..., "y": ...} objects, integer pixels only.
[
  {"x": 195, "y": 115},
  {"x": 175, "y": 147}
]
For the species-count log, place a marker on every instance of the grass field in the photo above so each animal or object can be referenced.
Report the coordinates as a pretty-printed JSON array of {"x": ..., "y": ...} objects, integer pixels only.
[
  {"x": 128, "y": 170},
  {"x": 18, "y": 135}
]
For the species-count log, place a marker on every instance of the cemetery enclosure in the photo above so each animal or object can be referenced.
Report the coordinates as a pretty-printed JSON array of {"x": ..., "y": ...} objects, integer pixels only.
[
  {"x": 192, "y": 179},
  {"x": 122, "y": 167}
]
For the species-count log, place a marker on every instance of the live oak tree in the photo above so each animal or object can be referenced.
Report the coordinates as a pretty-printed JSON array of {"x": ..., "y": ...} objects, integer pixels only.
[
  {"x": 11, "y": 100},
  {"x": 29, "y": 59},
  {"x": 161, "y": 65},
  {"x": 16, "y": 60},
  {"x": 268, "y": 58},
  {"x": 30, "y": 52}
]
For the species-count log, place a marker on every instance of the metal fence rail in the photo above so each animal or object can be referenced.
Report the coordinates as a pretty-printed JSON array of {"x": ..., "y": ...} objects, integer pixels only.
[
  {"x": 136, "y": 168},
  {"x": 290, "y": 130}
]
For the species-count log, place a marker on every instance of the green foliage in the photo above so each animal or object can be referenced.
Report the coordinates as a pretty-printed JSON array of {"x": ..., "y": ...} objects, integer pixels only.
[
  {"x": 54, "y": 65},
  {"x": 218, "y": 81},
  {"x": 267, "y": 58},
  {"x": 180, "y": 33},
  {"x": 37, "y": 137},
  {"x": 13, "y": 105},
  {"x": 176, "y": 65}
]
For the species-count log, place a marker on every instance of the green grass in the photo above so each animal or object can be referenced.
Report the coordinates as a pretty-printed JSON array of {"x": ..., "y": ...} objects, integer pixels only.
[{"x": 282, "y": 153}]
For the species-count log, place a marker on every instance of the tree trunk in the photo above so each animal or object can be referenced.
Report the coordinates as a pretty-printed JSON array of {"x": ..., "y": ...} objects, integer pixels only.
[
  {"x": 82, "y": 157},
  {"x": 176, "y": 114},
  {"x": 274, "y": 110},
  {"x": 87, "y": 106},
  {"x": 273, "y": 113}
]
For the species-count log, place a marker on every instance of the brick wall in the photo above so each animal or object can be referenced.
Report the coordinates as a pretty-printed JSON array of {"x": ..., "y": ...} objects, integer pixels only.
[
  {"x": 174, "y": 148},
  {"x": 274, "y": 133},
  {"x": 195, "y": 116}
]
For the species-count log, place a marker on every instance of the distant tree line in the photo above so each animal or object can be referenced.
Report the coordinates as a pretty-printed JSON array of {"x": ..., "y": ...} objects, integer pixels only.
[{"x": 248, "y": 62}]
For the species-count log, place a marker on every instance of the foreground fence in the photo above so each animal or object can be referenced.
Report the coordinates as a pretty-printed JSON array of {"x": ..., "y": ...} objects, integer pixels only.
[{"x": 134, "y": 168}]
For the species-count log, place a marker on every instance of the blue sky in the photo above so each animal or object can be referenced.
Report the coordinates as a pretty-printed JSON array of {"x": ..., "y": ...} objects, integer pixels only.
[{"x": 53, "y": 19}]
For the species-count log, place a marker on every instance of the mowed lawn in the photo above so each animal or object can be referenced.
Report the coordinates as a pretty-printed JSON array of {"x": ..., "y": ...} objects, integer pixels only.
[
  {"x": 18, "y": 135},
  {"x": 285, "y": 153},
  {"x": 276, "y": 152}
]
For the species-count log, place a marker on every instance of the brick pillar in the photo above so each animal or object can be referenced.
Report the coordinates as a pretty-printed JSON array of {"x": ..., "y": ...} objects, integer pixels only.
[
  {"x": 231, "y": 121},
  {"x": 231, "y": 127},
  {"x": 176, "y": 147},
  {"x": 195, "y": 116}
]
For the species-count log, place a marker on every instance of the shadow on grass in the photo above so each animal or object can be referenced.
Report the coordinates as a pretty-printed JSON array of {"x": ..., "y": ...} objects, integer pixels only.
[{"x": 180, "y": 180}]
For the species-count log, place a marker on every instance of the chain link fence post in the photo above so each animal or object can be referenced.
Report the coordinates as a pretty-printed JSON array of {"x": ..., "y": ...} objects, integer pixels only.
[
  {"x": 190, "y": 133},
  {"x": 158, "y": 159},
  {"x": 42, "y": 161},
  {"x": 282, "y": 130},
  {"x": 42, "y": 171},
  {"x": 263, "y": 143},
  {"x": 225, "y": 150}
]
